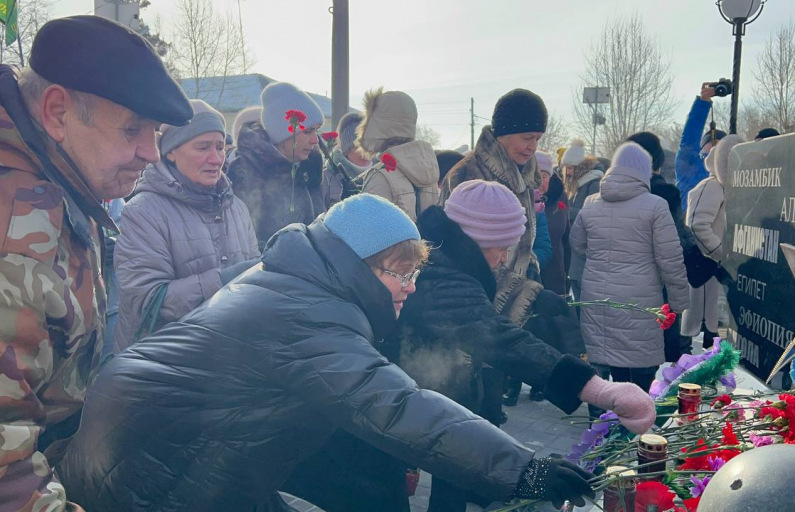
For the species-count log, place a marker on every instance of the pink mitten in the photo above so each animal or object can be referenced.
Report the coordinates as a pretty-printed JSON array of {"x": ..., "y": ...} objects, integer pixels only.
[{"x": 634, "y": 407}]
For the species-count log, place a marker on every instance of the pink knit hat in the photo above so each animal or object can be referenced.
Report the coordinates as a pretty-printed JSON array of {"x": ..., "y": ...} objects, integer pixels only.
[{"x": 488, "y": 212}]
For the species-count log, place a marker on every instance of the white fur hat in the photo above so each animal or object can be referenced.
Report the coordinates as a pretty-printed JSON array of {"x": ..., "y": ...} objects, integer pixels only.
[
  {"x": 575, "y": 154},
  {"x": 544, "y": 161}
]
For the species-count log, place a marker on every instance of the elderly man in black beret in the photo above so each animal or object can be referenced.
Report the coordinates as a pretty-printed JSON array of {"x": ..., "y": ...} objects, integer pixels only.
[{"x": 77, "y": 127}]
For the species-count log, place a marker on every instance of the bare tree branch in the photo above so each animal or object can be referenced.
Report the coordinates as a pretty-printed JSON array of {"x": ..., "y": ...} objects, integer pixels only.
[
  {"x": 631, "y": 63},
  {"x": 208, "y": 44},
  {"x": 556, "y": 135},
  {"x": 775, "y": 79},
  {"x": 428, "y": 134},
  {"x": 32, "y": 15}
]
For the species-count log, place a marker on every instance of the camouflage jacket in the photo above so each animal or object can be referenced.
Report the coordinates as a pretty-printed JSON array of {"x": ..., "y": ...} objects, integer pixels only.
[{"x": 52, "y": 305}]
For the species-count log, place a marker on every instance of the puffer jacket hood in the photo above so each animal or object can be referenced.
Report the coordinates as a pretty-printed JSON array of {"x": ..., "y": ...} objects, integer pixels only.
[
  {"x": 160, "y": 179},
  {"x": 623, "y": 183},
  {"x": 387, "y": 115},
  {"x": 218, "y": 409},
  {"x": 417, "y": 161},
  {"x": 413, "y": 184}
]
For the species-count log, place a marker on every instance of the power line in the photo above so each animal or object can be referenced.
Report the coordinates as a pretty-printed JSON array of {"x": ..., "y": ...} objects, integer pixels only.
[
  {"x": 92, "y": 11},
  {"x": 437, "y": 112},
  {"x": 441, "y": 103}
]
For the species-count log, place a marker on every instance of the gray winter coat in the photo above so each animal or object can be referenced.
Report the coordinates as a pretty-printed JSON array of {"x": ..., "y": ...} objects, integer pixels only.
[
  {"x": 179, "y": 236},
  {"x": 632, "y": 249}
]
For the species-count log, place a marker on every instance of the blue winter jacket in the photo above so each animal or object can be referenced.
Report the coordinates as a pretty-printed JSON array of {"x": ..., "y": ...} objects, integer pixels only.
[
  {"x": 542, "y": 245},
  {"x": 690, "y": 168}
]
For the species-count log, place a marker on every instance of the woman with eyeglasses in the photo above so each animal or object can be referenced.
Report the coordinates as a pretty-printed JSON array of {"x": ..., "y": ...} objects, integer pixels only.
[
  {"x": 215, "y": 411},
  {"x": 449, "y": 328}
]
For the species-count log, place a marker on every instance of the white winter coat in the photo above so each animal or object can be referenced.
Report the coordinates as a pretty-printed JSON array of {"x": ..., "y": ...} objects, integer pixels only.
[
  {"x": 706, "y": 216},
  {"x": 632, "y": 249}
]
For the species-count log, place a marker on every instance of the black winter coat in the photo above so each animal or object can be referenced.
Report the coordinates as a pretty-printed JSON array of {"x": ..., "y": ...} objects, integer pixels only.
[
  {"x": 699, "y": 268},
  {"x": 448, "y": 328},
  {"x": 213, "y": 412},
  {"x": 554, "y": 276},
  {"x": 261, "y": 177}
]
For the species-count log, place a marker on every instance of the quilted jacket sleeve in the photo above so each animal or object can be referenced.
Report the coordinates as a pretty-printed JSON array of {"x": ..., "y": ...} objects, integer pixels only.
[
  {"x": 668, "y": 255},
  {"x": 143, "y": 260},
  {"x": 341, "y": 373},
  {"x": 703, "y": 206}
]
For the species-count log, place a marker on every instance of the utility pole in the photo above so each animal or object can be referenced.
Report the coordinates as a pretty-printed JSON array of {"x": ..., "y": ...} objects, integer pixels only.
[
  {"x": 472, "y": 123},
  {"x": 339, "y": 61},
  {"x": 242, "y": 39}
]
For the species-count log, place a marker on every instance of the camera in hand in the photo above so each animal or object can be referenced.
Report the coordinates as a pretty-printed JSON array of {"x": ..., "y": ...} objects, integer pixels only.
[{"x": 723, "y": 87}]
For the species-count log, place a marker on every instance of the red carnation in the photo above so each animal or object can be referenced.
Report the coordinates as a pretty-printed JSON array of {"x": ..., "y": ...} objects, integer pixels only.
[
  {"x": 721, "y": 401},
  {"x": 665, "y": 309},
  {"x": 561, "y": 205},
  {"x": 670, "y": 318},
  {"x": 330, "y": 136},
  {"x": 295, "y": 116},
  {"x": 653, "y": 494},
  {"x": 696, "y": 463},
  {"x": 691, "y": 504},
  {"x": 729, "y": 437},
  {"x": 390, "y": 164}
]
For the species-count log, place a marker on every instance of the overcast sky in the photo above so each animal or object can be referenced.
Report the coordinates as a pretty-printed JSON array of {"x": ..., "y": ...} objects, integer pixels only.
[{"x": 442, "y": 52}]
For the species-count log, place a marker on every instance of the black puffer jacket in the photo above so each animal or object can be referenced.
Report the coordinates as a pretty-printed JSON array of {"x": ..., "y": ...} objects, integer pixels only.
[
  {"x": 213, "y": 412},
  {"x": 699, "y": 268},
  {"x": 448, "y": 328},
  {"x": 262, "y": 178}
]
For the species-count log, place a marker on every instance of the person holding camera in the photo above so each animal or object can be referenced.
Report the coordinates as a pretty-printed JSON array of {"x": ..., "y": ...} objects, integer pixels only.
[{"x": 694, "y": 148}]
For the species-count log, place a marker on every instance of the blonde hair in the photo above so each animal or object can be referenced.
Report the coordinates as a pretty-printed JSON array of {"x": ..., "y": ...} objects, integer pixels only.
[{"x": 411, "y": 251}]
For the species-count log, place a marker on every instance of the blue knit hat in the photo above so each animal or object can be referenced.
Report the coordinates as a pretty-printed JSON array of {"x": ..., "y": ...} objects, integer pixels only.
[
  {"x": 369, "y": 224},
  {"x": 277, "y": 99}
]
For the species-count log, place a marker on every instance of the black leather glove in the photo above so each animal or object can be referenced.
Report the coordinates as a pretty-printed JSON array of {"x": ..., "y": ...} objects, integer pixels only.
[
  {"x": 234, "y": 270},
  {"x": 548, "y": 303},
  {"x": 555, "y": 480},
  {"x": 723, "y": 276}
]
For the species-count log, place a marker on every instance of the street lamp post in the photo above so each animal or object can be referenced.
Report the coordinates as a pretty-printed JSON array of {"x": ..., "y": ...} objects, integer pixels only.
[{"x": 739, "y": 13}]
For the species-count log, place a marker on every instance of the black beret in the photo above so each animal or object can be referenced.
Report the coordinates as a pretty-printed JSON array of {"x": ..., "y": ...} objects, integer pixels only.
[
  {"x": 519, "y": 111},
  {"x": 98, "y": 56},
  {"x": 767, "y": 132}
]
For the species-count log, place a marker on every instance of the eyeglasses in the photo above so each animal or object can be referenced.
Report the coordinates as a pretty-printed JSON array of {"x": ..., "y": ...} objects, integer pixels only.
[{"x": 411, "y": 277}]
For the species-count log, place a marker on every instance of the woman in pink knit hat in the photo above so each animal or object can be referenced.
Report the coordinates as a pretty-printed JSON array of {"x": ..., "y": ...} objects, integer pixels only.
[{"x": 449, "y": 328}]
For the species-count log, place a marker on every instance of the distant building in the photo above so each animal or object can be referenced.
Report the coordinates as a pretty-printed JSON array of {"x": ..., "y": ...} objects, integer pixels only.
[
  {"x": 126, "y": 12},
  {"x": 231, "y": 94}
]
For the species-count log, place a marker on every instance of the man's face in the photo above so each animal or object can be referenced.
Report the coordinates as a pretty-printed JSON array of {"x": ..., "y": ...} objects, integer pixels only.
[
  {"x": 520, "y": 146},
  {"x": 112, "y": 150}
]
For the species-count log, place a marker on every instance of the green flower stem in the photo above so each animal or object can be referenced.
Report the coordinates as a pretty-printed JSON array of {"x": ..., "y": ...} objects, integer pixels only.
[
  {"x": 600, "y": 485},
  {"x": 292, "y": 173}
]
